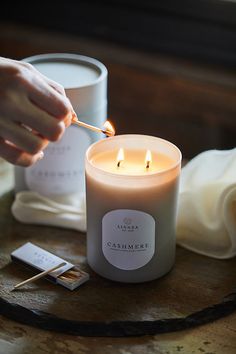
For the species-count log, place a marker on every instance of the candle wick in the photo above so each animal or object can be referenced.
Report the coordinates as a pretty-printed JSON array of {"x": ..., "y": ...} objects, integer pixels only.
[
  {"x": 147, "y": 165},
  {"x": 118, "y": 163}
]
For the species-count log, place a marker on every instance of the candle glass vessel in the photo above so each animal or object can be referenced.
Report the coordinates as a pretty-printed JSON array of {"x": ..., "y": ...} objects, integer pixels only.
[{"x": 131, "y": 207}]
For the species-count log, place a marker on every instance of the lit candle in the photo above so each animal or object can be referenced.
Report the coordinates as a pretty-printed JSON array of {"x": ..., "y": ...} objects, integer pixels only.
[{"x": 132, "y": 187}]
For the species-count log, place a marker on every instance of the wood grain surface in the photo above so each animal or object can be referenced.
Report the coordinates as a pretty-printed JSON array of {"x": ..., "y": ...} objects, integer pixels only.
[{"x": 194, "y": 283}]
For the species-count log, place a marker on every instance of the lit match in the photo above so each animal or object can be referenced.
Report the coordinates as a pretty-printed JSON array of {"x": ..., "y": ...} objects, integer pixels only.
[{"x": 108, "y": 129}]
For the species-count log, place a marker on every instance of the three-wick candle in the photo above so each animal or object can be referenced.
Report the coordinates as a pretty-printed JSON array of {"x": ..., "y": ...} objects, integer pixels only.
[{"x": 131, "y": 190}]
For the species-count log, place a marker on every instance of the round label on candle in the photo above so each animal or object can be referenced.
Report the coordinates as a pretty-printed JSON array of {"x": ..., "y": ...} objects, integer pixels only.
[{"x": 128, "y": 238}]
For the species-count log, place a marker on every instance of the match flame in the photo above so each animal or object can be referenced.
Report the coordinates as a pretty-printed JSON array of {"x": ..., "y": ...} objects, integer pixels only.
[
  {"x": 148, "y": 158},
  {"x": 109, "y": 130},
  {"x": 120, "y": 157}
]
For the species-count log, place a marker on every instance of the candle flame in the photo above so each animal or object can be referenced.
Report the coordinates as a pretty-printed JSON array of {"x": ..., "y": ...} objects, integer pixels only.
[
  {"x": 120, "y": 157},
  {"x": 109, "y": 130},
  {"x": 148, "y": 158}
]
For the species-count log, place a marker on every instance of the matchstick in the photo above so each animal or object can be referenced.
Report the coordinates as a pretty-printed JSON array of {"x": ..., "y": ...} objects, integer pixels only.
[
  {"x": 38, "y": 276},
  {"x": 78, "y": 122}
]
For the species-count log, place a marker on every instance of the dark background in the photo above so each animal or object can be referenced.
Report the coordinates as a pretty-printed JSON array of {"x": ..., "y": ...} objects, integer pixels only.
[
  {"x": 171, "y": 63},
  {"x": 198, "y": 29}
]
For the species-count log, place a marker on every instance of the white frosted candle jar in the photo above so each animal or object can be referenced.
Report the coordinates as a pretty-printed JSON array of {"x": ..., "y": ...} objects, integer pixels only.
[
  {"x": 131, "y": 207},
  {"x": 61, "y": 171}
]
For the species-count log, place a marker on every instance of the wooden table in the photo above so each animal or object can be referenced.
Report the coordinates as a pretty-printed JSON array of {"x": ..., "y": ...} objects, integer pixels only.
[{"x": 195, "y": 282}]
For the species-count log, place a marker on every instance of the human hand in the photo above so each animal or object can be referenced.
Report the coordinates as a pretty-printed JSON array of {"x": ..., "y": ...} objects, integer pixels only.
[{"x": 33, "y": 111}]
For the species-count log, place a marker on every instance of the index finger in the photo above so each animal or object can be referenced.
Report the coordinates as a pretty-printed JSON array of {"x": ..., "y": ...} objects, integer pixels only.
[{"x": 45, "y": 97}]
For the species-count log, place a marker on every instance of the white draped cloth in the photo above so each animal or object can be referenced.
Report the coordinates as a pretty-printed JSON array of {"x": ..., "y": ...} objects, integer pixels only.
[
  {"x": 206, "y": 221},
  {"x": 66, "y": 211}
]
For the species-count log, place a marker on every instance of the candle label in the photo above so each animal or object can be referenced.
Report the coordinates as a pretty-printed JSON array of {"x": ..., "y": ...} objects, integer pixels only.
[{"x": 128, "y": 238}]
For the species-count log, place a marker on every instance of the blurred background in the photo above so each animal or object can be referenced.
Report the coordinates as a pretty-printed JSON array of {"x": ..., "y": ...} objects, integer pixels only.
[{"x": 171, "y": 64}]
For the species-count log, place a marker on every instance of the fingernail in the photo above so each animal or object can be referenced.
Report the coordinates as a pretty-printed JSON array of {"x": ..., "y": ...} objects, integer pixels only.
[
  {"x": 40, "y": 155},
  {"x": 74, "y": 116}
]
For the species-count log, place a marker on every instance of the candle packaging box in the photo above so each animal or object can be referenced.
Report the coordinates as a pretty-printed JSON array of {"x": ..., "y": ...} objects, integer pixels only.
[
  {"x": 85, "y": 82},
  {"x": 36, "y": 258}
]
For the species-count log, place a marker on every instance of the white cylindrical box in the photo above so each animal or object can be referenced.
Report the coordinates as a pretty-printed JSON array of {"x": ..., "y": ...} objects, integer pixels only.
[{"x": 61, "y": 171}]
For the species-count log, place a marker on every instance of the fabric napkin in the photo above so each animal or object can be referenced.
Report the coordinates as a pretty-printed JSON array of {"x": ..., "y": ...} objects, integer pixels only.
[
  {"x": 67, "y": 211},
  {"x": 29, "y": 207},
  {"x": 206, "y": 221}
]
